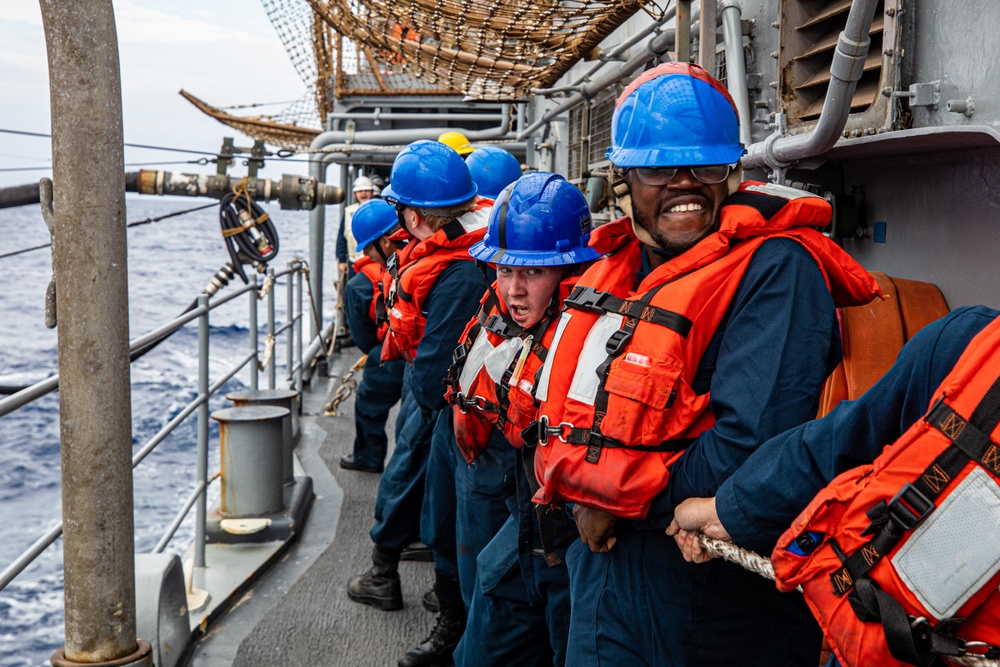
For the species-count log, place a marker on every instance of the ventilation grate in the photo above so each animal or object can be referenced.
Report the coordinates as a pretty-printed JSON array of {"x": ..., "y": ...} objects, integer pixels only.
[{"x": 810, "y": 29}]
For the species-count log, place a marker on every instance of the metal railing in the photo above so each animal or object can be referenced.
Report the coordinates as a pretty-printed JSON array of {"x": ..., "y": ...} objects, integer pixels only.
[{"x": 297, "y": 359}]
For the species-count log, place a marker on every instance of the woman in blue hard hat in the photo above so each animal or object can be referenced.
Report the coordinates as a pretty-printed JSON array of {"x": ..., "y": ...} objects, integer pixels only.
[
  {"x": 381, "y": 384},
  {"x": 435, "y": 289},
  {"x": 519, "y": 598}
]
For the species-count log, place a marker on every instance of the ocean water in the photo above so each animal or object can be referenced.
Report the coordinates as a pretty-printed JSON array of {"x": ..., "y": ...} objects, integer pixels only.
[{"x": 170, "y": 261}]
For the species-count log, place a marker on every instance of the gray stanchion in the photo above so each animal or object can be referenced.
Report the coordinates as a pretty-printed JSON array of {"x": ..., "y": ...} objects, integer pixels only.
[
  {"x": 250, "y": 449},
  {"x": 279, "y": 398}
]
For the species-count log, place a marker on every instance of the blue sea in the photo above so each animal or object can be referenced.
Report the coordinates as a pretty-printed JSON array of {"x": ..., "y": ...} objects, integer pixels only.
[{"x": 169, "y": 261}]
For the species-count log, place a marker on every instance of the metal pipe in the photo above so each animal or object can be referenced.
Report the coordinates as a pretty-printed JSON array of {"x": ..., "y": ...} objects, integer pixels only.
[
  {"x": 317, "y": 238},
  {"x": 707, "y": 34},
  {"x": 298, "y": 330},
  {"x": 290, "y": 316},
  {"x": 254, "y": 369},
  {"x": 617, "y": 51},
  {"x": 655, "y": 48},
  {"x": 29, "y": 555},
  {"x": 202, "y": 472},
  {"x": 778, "y": 152},
  {"x": 682, "y": 41},
  {"x": 736, "y": 67},
  {"x": 270, "y": 331},
  {"x": 95, "y": 425},
  {"x": 199, "y": 489},
  {"x": 400, "y": 115}
]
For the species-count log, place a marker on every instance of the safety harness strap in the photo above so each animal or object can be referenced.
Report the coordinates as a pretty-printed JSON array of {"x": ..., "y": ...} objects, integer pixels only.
[
  {"x": 588, "y": 298},
  {"x": 970, "y": 441},
  {"x": 913, "y": 640}
]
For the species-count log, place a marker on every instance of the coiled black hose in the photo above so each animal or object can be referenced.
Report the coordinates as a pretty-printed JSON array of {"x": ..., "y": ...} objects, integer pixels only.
[{"x": 248, "y": 231}]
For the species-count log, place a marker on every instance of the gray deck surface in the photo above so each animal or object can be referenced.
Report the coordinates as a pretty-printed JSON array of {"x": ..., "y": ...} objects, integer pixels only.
[{"x": 299, "y": 613}]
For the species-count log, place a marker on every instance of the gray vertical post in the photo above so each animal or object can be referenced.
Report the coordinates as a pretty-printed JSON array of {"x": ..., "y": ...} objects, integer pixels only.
[
  {"x": 298, "y": 331},
  {"x": 254, "y": 367},
  {"x": 290, "y": 319},
  {"x": 682, "y": 33},
  {"x": 317, "y": 235},
  {"x": 199, "y": 531},
  {"x": 95, "y": 414},
  {"x": 706, "y": 35},
  {"x": 736, "y": 68},
  {"x": 271, "y": 378},
  {"x": 251, "y": 463}
]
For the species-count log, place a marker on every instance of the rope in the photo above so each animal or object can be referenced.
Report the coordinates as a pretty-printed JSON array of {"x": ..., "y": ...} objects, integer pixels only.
[
  {"x": 347, "y": 385},
  {"x": 265, "y": 287},
  {"x": 754, "y": 562},
  {"x": 268, "y": 352}
]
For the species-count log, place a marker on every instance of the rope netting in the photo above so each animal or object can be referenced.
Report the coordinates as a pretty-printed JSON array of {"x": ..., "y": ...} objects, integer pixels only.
[{"x": 488, "y": 49}]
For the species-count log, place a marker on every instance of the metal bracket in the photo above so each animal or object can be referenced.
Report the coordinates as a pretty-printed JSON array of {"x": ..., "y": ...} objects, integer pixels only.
[{"x": 920, "y": 94}]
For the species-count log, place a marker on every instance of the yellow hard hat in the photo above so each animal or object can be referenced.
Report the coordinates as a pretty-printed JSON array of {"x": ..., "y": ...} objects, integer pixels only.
[{"x": 457, "y": 141}]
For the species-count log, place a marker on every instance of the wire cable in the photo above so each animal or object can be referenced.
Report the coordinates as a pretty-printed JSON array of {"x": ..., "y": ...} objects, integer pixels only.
[
  {"x": 147, "y": 146},
  {"x": 131, "y": 224}
]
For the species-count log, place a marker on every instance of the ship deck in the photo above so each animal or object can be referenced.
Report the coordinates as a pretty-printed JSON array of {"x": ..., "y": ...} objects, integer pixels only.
[{"x": 298, "y": 613}]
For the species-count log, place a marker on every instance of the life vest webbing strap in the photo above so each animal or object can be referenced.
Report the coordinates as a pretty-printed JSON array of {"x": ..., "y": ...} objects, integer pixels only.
[
  {"x": 970, "y": 441},
  {"x": 615, "y": 346},
  {"x": 591, "y": 439},
  {"x": 543, "y": 513},
  {"x": 588, "y": 298}
]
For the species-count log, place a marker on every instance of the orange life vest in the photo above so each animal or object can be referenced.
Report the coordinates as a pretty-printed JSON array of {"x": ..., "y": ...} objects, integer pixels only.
[
  {"x": 414, "y": 271},
  {"x": 617, "y": 402},
  {"x": 376, "y": 273},
  {"x": 495, "y": 356},
  {"x": 900, "y": 559}
]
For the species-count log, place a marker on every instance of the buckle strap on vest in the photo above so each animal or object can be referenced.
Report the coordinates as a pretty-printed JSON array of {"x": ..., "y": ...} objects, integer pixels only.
[
  {"x": 588, "y": 298},
  {"x": 970, "y": 441}
]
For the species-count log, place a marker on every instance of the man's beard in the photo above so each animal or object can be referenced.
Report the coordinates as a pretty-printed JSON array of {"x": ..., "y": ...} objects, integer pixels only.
[{"x": 666, "y": 248}]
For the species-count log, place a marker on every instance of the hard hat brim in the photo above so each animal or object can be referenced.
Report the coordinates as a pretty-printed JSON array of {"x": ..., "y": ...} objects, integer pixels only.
[
  {"x": 503, "y": 257},
  {"x": 390, "y": 196},
  {"x": 693, "y": 156}
]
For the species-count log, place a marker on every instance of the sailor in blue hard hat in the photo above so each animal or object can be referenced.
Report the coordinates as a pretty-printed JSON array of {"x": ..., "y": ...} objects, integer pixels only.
[
  {"x": 435, "y": 289},
  {"x": 493, "y": 169},
  {"x": 381, "y": 384},
  {"x": 750, "y": 366},
  {"x": 519, "y": 600}
]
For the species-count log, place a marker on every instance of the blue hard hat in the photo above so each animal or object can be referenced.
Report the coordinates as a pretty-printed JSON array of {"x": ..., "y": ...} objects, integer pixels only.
[
  {"x": 493, "y": 169},
  {"x": 372, "y": 221},
  {"x": 428, "y": 174},
  {"x": 539, "y": 220},
  {"x": 675, "y": 115}
]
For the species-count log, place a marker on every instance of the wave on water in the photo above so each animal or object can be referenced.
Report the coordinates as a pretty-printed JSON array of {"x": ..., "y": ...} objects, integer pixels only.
[{"x": 169, "y": 263}]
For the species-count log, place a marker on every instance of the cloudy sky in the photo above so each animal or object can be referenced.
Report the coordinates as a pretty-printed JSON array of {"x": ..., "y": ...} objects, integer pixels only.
[{"x": 222, "y": 51}]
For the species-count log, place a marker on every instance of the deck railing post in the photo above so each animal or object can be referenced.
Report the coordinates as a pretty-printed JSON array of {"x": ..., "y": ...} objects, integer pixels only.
[
  {"x": 254, "y": 366},
  {"x": 199, "y": 534},
  {"x": 298, "y": 331},
  {"x": 290, "y": 319},
  {"x": 271, "y": 377}
]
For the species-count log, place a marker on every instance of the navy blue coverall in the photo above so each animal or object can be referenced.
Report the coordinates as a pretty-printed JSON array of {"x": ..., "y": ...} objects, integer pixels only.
[
  {"x": 642, "y": 604},
  {"x": 756, "y": 510},
  {"x": 381, "y": 384},
  {"x": 453, "y": 300}
]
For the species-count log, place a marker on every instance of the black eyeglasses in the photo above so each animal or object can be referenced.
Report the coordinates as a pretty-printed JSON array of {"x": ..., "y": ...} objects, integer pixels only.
[{"x": 659, "y": 176}]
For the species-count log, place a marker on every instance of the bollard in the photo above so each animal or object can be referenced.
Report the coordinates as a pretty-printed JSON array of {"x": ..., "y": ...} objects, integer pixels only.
[
  {"x": 279, "y": 398},
  {"x": 250, "y": 454}
]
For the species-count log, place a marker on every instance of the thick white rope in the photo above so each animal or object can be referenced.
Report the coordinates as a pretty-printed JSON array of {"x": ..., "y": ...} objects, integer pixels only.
[{"x": 756, "y": 563}]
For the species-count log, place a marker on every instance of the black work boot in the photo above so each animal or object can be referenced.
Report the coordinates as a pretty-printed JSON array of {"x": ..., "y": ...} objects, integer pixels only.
[
  {"x": 379, "y": 587},
  {"x": 436, "y": 650}
]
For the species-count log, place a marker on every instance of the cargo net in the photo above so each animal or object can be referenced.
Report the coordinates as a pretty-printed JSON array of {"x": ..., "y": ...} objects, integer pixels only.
[{"x": 486, "y": 49}]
